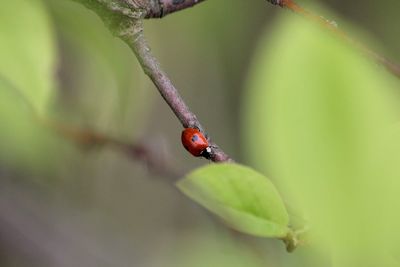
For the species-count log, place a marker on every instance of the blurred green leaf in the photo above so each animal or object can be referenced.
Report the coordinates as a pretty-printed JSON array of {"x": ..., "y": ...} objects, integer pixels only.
[
  {"x": 245, "y": 199},
  {"x": 27, "y": 51},
  {"x": 99, "y": 74},
  {"x": 27, "y": 72},
  {"x": 323, "y": 115}
]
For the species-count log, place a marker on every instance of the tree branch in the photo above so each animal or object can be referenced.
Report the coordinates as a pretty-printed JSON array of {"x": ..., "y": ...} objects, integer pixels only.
[{"x": 291, "y": 5}]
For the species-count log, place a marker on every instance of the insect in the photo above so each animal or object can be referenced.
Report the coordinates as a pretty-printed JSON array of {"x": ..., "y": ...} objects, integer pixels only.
[{"x": 195, "y": 142}]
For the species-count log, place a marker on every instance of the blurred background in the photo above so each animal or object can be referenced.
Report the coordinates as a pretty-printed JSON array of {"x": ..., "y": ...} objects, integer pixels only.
[{"x": 62, "y": 204}]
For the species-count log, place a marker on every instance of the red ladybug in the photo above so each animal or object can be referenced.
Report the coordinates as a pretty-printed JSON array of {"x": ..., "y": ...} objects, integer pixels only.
[{"x": 195, "y": 142}]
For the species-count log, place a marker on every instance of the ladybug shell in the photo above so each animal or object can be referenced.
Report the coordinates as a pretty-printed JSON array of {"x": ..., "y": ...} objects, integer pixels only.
[{"x": 194, "y": 141}]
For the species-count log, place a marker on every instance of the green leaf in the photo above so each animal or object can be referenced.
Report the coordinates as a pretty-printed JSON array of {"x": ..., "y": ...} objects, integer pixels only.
[
  {"x": 324, "y": 116},
  {"x": 27, "y": 77},
  {"x": 245, "y": 199},
  {"x": 98, "y": 64},
  {"x": 27, "y": 51}
]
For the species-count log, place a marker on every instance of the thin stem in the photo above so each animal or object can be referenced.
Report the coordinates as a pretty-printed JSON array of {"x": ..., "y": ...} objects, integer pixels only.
[
  {"x": 291, "y": 5},
  {"x": 135, "y": 39},
  {"x": 152, "y": 68}
]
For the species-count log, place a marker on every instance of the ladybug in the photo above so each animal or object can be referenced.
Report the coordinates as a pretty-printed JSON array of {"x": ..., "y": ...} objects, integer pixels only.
[{"x": 195, "y": 142}]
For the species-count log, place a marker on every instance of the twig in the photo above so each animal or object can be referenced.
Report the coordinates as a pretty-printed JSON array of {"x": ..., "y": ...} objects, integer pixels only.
[
  {"x": 135, "y": 39},
  {"x": 291, "y": 5}
]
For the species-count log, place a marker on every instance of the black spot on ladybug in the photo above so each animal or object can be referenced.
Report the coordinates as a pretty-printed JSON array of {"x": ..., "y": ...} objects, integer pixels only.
[{"x": 195, "y": 138}]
